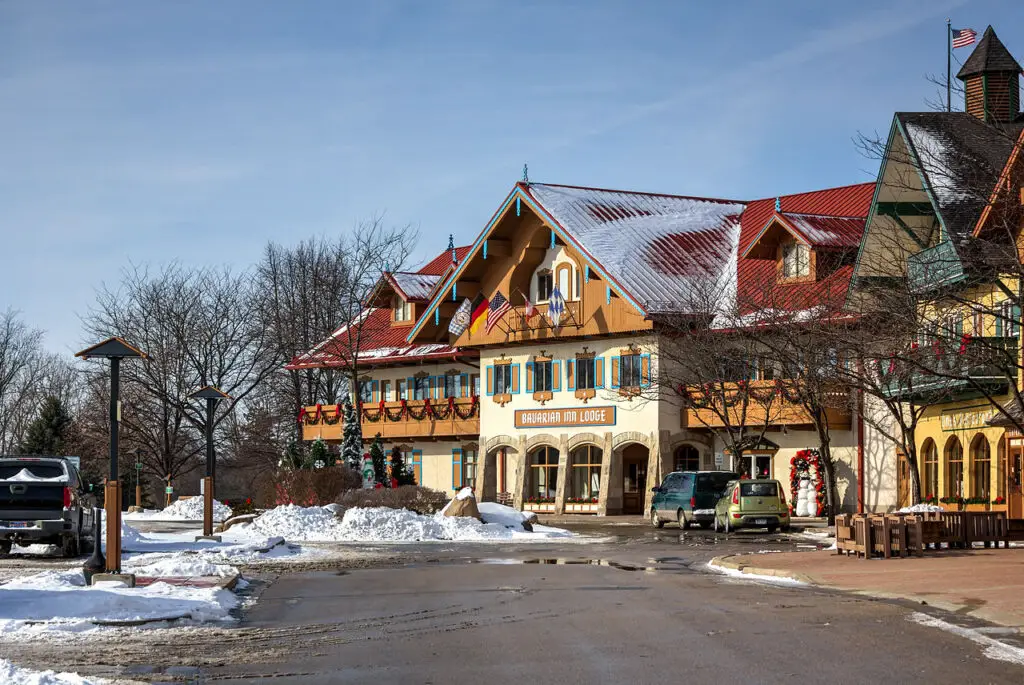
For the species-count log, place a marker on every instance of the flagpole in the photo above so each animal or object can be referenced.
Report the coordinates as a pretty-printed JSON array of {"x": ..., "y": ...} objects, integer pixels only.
[{"x": 949, "y": 65}]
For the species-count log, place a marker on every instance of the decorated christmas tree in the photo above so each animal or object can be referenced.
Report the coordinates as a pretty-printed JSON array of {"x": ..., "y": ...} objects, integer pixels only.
[
  {"x": 318, "y": 456},
  {"x": 352, "y": 439},
  {"x": 399, "y": 471},
  {"x": 380, "y": 466}
]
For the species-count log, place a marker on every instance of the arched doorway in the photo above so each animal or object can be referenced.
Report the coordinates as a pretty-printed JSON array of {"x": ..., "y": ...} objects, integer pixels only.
[
  {"x": 634, "y": 477},
  {"x": 686, "y": 458},
  {"x": 981, "y": 467},
  {"x": 542, "y": 479}
]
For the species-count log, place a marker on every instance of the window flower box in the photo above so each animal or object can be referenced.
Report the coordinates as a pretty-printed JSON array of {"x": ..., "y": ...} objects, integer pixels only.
[
  {"x": 581, "y": 507},
  {"x": 544, "y": 505},
  {"x": 976, "y": 504},
  {"x": 952, "y": 503}
]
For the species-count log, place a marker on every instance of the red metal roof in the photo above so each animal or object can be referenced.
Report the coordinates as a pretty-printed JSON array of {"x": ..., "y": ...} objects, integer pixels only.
[{"x": 838, "y": 212}]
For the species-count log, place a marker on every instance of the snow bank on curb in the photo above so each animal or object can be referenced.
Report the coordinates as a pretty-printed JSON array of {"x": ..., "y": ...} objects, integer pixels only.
[
  {"x": 757, "y": 577},
  {"x": 381, "y": 524},
  {"x": 190, "y": 509},
  {"x": 15, "y": 675},
  {"x": 61, "y": 601},
  {"x": 993, "y": 649},
  {"x": 919, "y": 508}
]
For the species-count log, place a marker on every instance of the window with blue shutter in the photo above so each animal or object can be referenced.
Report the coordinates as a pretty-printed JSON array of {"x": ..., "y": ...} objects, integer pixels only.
[
  {"x": 645, "y": 370},
  {"x": 456, "y": 468},
  {"x": 416, "y": 464},
  {"x": 515, "y": 379},
  {"x": 464, "y": 390},
  {"x": 615, "y": 371},
  {"x": 556, "y": 376}
]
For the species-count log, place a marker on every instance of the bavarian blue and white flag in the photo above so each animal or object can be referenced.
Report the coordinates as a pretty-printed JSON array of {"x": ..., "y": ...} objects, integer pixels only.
[
  {"x": 460, "y": 321},
  {"x": 556, "y": 307}
]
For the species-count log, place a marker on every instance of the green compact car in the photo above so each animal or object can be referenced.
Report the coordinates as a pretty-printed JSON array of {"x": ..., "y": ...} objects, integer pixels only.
[
  {"x": 759, "y": 503},
  {"x": 688, "y": 497}
]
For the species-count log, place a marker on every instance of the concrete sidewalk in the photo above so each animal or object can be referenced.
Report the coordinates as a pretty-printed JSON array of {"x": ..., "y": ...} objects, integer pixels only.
[{"x": 985, "y": 583}]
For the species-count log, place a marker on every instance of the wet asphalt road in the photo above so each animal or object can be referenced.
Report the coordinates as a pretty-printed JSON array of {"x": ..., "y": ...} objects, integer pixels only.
[
  {"x": 636, "y": 607},
  {"x": 639, "y": 608}
]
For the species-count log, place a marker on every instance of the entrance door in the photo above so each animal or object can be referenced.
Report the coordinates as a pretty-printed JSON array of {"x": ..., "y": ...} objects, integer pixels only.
[
  {"x": 902, "y": 480},
  {"x": 1014, "y": 495},
  {"x": 634, "y": 479}
]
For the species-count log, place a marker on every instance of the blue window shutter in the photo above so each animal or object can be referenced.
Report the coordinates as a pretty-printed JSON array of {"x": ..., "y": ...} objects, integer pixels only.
[
  {"x": 456, "y": 468},
  {"x": 999, "y": 326},
  {"x": 464, "y": 390},
  {"x": 615, "y": 366},
  {"x": 490, "y": 380},
  {"x": 411, "y": 388},
  {"x": 417, "y": 466},
  {"x": 514, "y": 390},
  {"x": 529, "y": 377},
  {"x": 645, "y": 370},
  {"x": 375, "y": 390},
  {"x": 599, "y": 372},
  {"x": 556, "y": 376}
]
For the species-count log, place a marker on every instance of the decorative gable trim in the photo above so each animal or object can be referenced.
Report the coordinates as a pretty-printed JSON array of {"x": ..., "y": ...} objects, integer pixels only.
[{"x": 776, "y": 218}]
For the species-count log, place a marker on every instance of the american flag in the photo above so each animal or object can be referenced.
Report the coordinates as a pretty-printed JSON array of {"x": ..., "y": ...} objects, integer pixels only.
[
  {"x": 963, "y": 37},
  {"x": 499, "y": 307}
]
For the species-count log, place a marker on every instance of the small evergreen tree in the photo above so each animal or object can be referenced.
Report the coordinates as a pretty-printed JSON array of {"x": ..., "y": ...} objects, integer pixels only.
[
  {"x": 380, "y": 466},
  {"x": 352, "y": 439},
  {"x": 294, "y": 456},
  {"x": 399, "y": 471},
  {"x": 48, "y": 433},
  {"x": 318, "y": 456}
]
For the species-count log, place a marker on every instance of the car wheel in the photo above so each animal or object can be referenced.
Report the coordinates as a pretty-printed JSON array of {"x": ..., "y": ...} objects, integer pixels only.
[
  {"x": 5, "y": 548},
  {"x": 655, "y": 521},
  {"x": 69, "y": 546},
  {"x": 727, "y": 527},
  {"x": 681, "y": 520}
]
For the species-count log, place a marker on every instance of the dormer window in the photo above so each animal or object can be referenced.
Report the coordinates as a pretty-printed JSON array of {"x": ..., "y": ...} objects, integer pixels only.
[
  {"x": 545, "y": 284},
  {"x": 796, "y": 260},
  {"x": 403, "y": 311}
]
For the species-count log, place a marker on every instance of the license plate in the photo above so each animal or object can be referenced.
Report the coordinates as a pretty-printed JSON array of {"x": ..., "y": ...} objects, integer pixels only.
[
  {"x": 760, "y": 522},
  {"x": 18, "y": 524}
]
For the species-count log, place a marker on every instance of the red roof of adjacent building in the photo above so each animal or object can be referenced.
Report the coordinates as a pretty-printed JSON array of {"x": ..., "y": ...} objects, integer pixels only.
[
  {"x": 381, "y": 342},
  {"x": 831, "y": 218}
]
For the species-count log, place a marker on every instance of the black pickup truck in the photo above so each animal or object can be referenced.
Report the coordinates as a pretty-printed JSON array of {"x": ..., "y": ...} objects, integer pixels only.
[{"x": 43, "y": 501}]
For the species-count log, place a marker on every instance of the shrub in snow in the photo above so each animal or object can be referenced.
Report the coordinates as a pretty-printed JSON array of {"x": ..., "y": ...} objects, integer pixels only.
[
  {"x": 192, "y": 508},
  {"x": 411, "y": 497},
  {"x": 316, "y": 487}
]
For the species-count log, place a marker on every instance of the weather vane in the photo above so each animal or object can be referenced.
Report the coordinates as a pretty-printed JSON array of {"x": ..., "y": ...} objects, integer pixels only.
[{"x": 526, "y": 174}]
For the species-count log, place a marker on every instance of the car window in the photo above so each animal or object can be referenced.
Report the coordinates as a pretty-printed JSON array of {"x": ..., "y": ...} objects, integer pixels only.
[
  {"x": 685, "y": 482},
  {"x": 37, "y": 469},
  {"x": 759, "y": 490},
  {"x": 713, "y": 482},
  {"x": 670, "y": 482}
]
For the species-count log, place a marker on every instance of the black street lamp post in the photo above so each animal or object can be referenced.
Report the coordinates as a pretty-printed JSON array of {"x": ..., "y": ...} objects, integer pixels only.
[
  {"x": 115, "y": 349},
  {"x": 212, "y": 396}
]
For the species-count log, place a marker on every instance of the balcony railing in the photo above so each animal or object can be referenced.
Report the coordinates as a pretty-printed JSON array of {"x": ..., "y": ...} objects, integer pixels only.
[
  {"x": 758, "y": 403},
  {"x": 935, "y": 374},
  {"x": 459, "y": 417},
  {"x": 540, "y": 321},
  {"x": 934, "y": 267}
]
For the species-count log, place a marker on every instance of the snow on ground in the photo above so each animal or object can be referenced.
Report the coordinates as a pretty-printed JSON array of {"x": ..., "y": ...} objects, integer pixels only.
[
  {"x": 190, "y": 509},
  {"x": 14, "y": 675},
  {"x": 735, "y": 573},
  {"x": 919, "y": 508},
  {"x": 61, "y": 601},
  {"x": 380, "y": 524},
  {"x": 993, "y": 649}
]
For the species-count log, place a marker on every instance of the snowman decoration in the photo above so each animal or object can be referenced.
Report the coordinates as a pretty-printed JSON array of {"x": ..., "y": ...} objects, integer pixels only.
[
  {"x": 369, "y": 477},
  {"x": 806, "y": 494}
]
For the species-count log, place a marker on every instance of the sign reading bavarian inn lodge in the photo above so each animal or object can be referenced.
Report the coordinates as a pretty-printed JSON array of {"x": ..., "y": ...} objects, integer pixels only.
[{"x": 553, "y": 418}]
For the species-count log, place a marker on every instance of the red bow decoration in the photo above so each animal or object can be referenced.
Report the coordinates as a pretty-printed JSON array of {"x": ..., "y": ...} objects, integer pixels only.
[{"x": 963, "y": 342}]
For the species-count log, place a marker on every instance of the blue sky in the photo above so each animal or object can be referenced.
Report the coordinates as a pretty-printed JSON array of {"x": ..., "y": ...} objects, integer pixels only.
[{"x": 195, "y": 130}]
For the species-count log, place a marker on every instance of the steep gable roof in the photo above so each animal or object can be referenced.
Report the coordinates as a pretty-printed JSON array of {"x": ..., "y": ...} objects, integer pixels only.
[
  {"x": 989, "y": 55},
  {"x": 659, "y": 248},
  {"x": 960, "y": 159}
]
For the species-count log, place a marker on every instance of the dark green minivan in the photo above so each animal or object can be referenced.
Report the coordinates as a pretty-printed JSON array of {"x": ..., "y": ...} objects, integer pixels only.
[{"x": 688, "y": 497}]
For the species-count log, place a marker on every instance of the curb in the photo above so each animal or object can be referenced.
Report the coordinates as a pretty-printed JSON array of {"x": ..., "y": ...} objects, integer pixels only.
[{"x": 733, "y": 563}]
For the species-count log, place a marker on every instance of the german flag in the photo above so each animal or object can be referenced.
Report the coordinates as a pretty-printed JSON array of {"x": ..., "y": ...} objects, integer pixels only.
[{"x": 479, "y": 313}]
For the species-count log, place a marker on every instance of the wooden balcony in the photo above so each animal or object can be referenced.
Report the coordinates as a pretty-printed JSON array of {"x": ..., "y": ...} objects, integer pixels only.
[
  {"x": 518, "y": 323},
  {"x": 397, "y": 420},
  {"x": 765, "y": 404}
]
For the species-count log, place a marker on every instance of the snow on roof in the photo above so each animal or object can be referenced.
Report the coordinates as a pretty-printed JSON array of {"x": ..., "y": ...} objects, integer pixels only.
[
  {"x": 827, "y": 231},
  {"x": 659, "y": 248},
  {"x": 415, "y": 286}
]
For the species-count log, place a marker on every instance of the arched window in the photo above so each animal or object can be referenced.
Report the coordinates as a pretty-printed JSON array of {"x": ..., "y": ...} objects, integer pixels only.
[
  {"x": 687, "y": 458},
  {"x": 1001, "y": 468},
  {"x": 954, "y": 468},
  {"x": 543, "y": 473},
  {"x": 586, "y": 472},
  {"x": 930, "y": 459},
  {"x": 981, "y": 467}
]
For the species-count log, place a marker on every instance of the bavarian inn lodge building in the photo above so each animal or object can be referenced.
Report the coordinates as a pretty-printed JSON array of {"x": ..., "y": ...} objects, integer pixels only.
[{"x": 527, "y": 364}]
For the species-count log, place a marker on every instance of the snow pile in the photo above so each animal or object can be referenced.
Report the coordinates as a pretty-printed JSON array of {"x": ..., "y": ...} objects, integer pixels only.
[
  {"x": 192, "y": 509},
  {"x": 381, "y": 524},
  {"x": 14, "y": 675},
  {"x": 177, "y": 564},
  {"x": 919, "y": 508},
  {"x": 61, "y": 600},
  {"x": 26, "y": 476}
]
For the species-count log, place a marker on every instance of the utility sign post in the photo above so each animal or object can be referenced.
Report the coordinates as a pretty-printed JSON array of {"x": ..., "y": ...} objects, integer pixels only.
[{"x": 212, "y": 396}]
